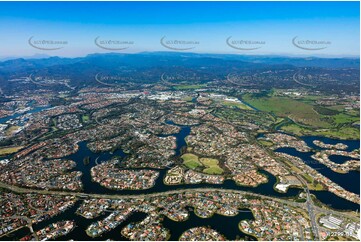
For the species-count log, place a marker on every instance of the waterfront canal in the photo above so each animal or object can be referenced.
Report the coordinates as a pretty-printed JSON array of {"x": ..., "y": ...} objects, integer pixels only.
[{"x": 228, "y": 226}]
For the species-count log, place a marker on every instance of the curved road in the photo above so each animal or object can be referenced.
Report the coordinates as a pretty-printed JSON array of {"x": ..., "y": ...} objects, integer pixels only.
[{"x": 81, "y": 195}]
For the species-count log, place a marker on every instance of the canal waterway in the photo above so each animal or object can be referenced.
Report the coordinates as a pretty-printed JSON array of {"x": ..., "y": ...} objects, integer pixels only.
[{"x": 228, "y": 226}]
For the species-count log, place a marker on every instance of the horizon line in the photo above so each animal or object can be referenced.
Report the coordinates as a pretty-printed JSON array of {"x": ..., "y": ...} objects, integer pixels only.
[{"x": 46, "y": 56}]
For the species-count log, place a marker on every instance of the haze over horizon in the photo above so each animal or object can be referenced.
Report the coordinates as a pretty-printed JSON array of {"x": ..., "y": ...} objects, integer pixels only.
[
  {"x": 206, "y": 27},
  {"x": 45, "y": 56}
]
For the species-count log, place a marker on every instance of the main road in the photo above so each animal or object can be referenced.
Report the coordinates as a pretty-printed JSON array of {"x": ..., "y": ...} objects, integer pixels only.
[
  {"x": 81, "y": 195},
  {"x": 310, "y": 209}
]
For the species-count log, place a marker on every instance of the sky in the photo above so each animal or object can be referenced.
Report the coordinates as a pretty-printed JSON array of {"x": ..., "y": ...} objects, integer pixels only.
[{"x": 329, "y": 29}]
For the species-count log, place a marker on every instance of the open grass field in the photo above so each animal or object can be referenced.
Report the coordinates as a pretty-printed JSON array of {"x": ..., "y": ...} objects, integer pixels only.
[
  {"x": 265, "y": 142},
  {"x": 296, "y": 110},
  {"x": 342, "y": 118},
  {"x": 85, "y": 118},
  {"x": 186, "y": 87},
  {"x": 191, "y": 161},
  {"x": 9, "y": 150},
  {"x": 12, "y": 129},
  {"x": 337, "y": 133},
  {"x": 339, "y": 108},
  {"x": 236, "y": 104},
  {"x": 317, "y": 187},
  {"x": 249, "y": 116},
  {"x": 187, "y": 99},
  {"x": 209, "y": 162},
  {"x": 213, "y": 171},
  {"x": 308, "y": 118},
  {"x": 212, "y": 166}
]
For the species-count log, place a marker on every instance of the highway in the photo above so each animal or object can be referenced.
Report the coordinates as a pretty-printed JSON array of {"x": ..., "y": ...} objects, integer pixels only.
[
  {"x": 82, "y": 195},
  {"x": 309, "y": 205},
  {"x": 312, "y": 210}
]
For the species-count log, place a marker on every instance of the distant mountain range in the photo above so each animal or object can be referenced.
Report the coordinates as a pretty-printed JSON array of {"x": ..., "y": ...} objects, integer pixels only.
[
  {"x": 167, "y": 59},
  {"x": 36, "y": 56},
  {"x": 149, "y": 67}
]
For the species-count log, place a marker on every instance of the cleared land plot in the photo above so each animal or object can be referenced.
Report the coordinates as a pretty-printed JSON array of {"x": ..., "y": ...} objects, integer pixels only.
[
  {"x": 344, "y": 118},
  {"x": 298, "y": 111},
  {"x": 247, "y": 116},
  {"x": 191, "y": 161},
  {"x": 338, "y": 133},
  {"x": 9, "y": 150},
  {"x": 12, "y": 129},
  {"x": 185, "y": 87},
  {"x": 85, "y": 118},
  {"x": 212, "y": 166},
  {"x": 236, "y": 104},
  {"x": 265, "y": 142},
  {"x": 308, "y": 119}
]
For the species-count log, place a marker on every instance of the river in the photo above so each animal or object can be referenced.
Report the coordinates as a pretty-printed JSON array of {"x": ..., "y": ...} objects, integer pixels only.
[{"x": 16, "y": 115}]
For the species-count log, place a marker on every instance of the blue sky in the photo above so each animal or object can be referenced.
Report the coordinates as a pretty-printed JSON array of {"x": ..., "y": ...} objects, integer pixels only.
[{"x": 209, "y": 24}]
